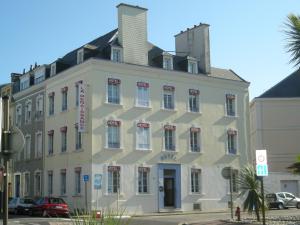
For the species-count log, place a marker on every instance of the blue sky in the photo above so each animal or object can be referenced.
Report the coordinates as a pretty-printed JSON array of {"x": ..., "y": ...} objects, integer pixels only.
[{"x": 245, "y": 36}]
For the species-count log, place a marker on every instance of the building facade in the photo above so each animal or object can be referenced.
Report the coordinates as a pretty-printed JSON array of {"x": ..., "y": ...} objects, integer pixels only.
[
  {"x": 28, "y": 115},
  {"x": 275, "y": 127},
  {"x": 128, "y": 125}
]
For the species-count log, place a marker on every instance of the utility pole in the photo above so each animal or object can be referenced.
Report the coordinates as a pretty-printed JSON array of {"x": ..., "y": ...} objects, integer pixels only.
[
  {"x": 263, "y": 200},
  {"x": 6, "y": 152}
]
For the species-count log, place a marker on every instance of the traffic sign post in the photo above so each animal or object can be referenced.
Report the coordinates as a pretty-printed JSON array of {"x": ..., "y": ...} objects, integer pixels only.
[
  {"x": 86, "y": 179},
  {"x": 262, "y": 171}
]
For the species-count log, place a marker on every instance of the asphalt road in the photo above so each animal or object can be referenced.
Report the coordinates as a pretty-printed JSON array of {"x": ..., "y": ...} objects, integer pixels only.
[{"x": 161, "y": 219}]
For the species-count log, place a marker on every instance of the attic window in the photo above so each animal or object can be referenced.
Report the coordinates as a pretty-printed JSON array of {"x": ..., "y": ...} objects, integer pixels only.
[
  {"x": 116, "y": 54},
  {"x": 167, "y": 62},
  {"x": 53, "y": 69},
  {"x": 192, "y": 66},
  {"x": 80, "y": 56}
]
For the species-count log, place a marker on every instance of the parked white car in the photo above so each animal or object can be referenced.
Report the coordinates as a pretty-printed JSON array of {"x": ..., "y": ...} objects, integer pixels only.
[
  {"x": 20, "y": 205},
  {"x": 282, "y": 200}
]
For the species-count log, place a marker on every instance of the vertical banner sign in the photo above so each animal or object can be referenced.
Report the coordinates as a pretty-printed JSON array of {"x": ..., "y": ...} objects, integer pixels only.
[
  {"x": 261, "y": 163},
  {"x": 82, "y": 108}
]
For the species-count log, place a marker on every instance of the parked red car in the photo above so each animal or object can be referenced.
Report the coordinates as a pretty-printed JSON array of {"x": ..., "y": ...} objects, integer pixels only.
[{"x": 50, "y": 206}]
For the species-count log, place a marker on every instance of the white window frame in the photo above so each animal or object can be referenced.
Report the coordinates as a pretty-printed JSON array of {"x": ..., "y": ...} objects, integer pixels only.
[
  {"x": 200, "y": 179},
  {"x": 234, "y": 108},
  {"x": 35, "y": 183},
  {"x": 19, "y": 115},
  {"x": 77, "y": 181},
  {"x": 119, "y": 183},
  {"x": 174, "y": 139},
  {"x": 78, "y": 138},
  {"x": 52, "y": 144},
  {"x": 24, "y": 82},
  {"x": 198, "y": 139},
  {"x": 198, "y": 101},
  {"x": 50, "y": 184},
  {"x": 51, "y": 105},
  {"x": 119, "y": 91},
  {"x": 39, "y": 107},
  {"x": 167, "y": 61},
  {"x": 235, "y": 136},
  {"x": 144, "y": 103},
  {"x": 26, "y": 188},
  {"x": 27, "y": 152},
  {"x": 80, "y": 56},
  {"x": 64, "y": 100},
  {"x": 107, "y": 134},
  {"x": 172, "y": 95},
  {"x": 28, "y": 111},
  {"x": 114, "y": 49},
  {"x": 63, "y": 183},
  {"x": 53, "y": 69},
  {"x": 192, "y": 66},
  {"x": 38, "y": 149},
  {"x": 138, "y": 179},
  {"x": 137, "y": 123}
]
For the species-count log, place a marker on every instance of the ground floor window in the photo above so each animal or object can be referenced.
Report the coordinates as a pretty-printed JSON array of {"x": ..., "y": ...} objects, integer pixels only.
[
  {"x": 113, "y": 179},
  {"x": 38, "y": 182},
  {"x": 143, "y": 180},
  {"x": 77, "y": 180},
  {"x": 195, "y": 180}
]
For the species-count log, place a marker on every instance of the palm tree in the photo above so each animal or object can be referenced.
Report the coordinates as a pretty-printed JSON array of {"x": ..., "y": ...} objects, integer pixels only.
[
  {"x": 250, "y": 186},
  {"x": 292, "y": 31}
]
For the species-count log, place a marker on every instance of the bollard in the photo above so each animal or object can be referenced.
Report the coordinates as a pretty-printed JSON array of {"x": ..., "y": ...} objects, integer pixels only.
[{"x": 238, "y": 213}]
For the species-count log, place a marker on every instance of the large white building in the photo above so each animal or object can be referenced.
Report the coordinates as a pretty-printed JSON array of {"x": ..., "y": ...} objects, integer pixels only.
[{"x": 150, "y": 130}]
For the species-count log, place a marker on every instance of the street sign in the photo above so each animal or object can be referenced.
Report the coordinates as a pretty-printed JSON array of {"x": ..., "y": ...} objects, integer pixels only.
[
  {"x": 86, "y": 178},
  {"x": 262, "y": 170},
  {"x": 261, "y": 157},
  {"x": 97, "y": 181}
]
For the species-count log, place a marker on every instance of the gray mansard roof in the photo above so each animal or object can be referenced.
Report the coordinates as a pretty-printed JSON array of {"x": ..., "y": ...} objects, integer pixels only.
[{"x": 287, "y": 88}]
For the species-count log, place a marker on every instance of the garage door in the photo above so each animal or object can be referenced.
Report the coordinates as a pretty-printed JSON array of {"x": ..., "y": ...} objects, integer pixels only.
[{"x": 290, "y": 186}]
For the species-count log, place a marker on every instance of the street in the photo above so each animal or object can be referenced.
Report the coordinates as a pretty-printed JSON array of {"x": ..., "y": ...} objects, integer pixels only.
[{"x": 161, "y": 219}]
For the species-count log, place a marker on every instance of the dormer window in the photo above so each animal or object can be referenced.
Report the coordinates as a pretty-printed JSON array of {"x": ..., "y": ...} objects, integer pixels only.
[
  {"x": 116, "y": 54},
  {"x": 80, "y": 56},
  {"x": 192, "y": 66},
  {"x": 39, "y": 75},
  {"x": 53, "y": 69},
  {"x": 167, "y": 61},
  {"x": 24, "y": 83}
]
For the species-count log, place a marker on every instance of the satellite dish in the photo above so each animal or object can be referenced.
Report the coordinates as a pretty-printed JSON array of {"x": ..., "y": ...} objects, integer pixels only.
[
  {"x": 226, "y": 172},
  {"x": 17, "y": 140}
]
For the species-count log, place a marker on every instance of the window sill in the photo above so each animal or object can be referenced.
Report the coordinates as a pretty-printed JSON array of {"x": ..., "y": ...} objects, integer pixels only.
[
  {"x": 79, "y": 150},
  {"x": 121, "y": 194},
  {"x": 144, "y": 194},
  {"x": 52, "y": 155},
  {"x": 143, "y": 107},
  {"x": 170, "y": 151},
  {"x": 194, "y": 113},
  {"x": 120, "y": 105},
  {"x": 52, "y": 115},
  {"x": 64, "y": 196},
  {"x": 113, "y": 149},
  {"x": 168, "y": 110},
  {"x": 77, "y": 196},
  {"x": 143, "y": 149},
  {"x": 64, "y": 111},
  {"x": 232, "y": 117},
  {"x": 197, "y": 194},
  {"x": 200, "y": 152},
  {"x": 232, "y": 155},
  {"x": 63, "y": 153}
]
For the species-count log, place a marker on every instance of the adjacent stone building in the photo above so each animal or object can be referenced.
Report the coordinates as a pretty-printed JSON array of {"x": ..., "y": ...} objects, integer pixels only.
[{"x": 275, "y": 126}]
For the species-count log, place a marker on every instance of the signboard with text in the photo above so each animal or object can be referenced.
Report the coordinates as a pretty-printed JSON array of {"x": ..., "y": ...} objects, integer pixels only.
[
  {"x": 261, "y": 163},
  {"x": 82, "y": 112}
]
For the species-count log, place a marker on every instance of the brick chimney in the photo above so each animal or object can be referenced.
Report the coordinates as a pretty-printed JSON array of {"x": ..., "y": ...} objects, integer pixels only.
[
  {"x": 195, "y": 42},
  {"x": 132, "y": 33}
]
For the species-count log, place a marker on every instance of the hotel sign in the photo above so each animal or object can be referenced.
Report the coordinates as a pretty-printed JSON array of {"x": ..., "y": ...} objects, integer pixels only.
[{"x": 82, "y": 112}]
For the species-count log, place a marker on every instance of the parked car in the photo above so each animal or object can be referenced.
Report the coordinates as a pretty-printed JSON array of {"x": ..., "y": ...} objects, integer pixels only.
[
  {"x": 50, "y": 206},
  {"x": 282, "y": 200},
  {"x": 20, "y": 205}
]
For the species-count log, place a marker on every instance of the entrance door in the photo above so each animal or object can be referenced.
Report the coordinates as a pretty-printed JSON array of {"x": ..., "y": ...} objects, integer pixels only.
[{"x": 169, "y": 191}]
